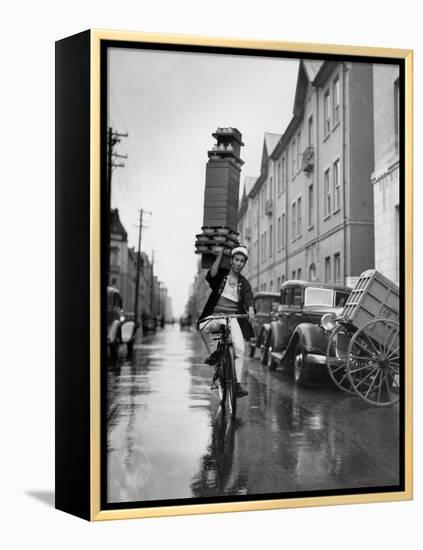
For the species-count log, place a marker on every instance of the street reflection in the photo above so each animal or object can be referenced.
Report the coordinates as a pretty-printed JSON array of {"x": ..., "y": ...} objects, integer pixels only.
[
  {"x": 218, "y": 476},
  {"x": 168, "y": 438}
]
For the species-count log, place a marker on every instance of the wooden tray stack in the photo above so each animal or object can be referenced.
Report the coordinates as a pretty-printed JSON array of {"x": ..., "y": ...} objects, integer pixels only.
[{"x": 221, "y": 198}]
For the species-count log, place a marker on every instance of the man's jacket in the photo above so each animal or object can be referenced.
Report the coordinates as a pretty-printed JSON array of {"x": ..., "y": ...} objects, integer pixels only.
[{"x": 245, "y": 298}]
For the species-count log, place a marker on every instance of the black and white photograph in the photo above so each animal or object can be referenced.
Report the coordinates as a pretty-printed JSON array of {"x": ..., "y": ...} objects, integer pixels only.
[{"x": 254, "y": 270}]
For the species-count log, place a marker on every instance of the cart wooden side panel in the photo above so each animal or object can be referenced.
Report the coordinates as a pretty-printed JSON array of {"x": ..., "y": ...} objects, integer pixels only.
[{"x": 373, "y": 297}]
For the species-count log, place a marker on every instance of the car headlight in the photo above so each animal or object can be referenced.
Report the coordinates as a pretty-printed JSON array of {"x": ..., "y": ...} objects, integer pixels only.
[{"x": 328, "y": 321}]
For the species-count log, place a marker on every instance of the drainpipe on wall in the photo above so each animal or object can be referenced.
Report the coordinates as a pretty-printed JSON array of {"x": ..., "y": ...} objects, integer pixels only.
[
  {"x": 258, "y": 243},
  {"x": 286, "y": 213},
  {"x": 344, "y": 183},
  {"x": 316, "y": 183}
]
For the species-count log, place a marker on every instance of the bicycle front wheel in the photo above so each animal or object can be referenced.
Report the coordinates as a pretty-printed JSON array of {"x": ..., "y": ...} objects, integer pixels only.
[
  {"x": 231, "y": 379},
  {"x": 221, "y": 382}
]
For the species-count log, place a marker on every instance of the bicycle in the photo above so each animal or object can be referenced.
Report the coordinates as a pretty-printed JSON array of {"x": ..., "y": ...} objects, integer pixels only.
[{"x": 224, "y": 377}]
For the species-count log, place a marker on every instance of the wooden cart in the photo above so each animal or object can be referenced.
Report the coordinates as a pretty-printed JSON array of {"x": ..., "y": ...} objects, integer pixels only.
[{"x": 363, "y": 353}]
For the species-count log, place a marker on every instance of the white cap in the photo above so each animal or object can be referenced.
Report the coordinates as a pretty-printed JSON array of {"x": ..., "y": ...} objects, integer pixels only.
[{"x": 240, "y": 250}]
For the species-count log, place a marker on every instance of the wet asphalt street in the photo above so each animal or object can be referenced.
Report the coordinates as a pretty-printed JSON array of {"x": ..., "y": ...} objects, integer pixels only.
[{"x": 168, "y": 439}]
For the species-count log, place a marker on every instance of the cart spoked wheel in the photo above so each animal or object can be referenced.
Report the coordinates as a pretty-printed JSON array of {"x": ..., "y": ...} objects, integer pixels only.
[
  {"x": 337, "y": 356},
  {"x": 374, "y": 362}
]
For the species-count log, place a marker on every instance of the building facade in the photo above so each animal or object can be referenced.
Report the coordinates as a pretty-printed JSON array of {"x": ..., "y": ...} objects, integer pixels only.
[
  {"x": 312, "y": 205},
  {"x": 152, "y": 293},
  {"x": 385, "y": 177}
]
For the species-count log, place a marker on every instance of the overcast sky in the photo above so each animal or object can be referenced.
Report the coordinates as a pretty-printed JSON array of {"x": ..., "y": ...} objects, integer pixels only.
[{"x": 170, "y": 103}]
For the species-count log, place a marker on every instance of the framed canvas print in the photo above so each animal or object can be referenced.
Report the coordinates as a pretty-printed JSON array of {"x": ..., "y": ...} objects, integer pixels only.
[{"x": 233, "y": 275}]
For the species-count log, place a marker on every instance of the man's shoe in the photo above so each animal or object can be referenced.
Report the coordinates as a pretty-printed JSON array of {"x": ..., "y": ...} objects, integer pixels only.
[
  {"x": 240, "y": 392},
  {"x": 212, "y": 359}
]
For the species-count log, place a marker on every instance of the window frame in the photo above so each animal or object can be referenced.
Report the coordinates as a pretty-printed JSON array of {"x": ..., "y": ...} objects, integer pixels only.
[
  {"x": 327, "y": 193},
  {"x": 326, "y": 113},
  {"x": 336, "y": 187},
  {"x": 328, "y": 264},
  {"x": 336, "y": 96},
  {"x": 299, "y": 216},
  {"x": 310, "y": 205},
  {"x": 337, "y": 261},
  {"x": 293, "y": 220}
]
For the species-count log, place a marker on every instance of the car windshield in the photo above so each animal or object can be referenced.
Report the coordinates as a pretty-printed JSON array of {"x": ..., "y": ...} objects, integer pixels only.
[
  {"x": 263, "y": 305},
  {"x": 318, "y": 297},
  {"x": 341, "y": 298}
]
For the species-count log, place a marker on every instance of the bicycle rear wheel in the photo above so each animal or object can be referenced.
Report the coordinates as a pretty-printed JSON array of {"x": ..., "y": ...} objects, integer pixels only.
[{"x": 231, "y": 379}]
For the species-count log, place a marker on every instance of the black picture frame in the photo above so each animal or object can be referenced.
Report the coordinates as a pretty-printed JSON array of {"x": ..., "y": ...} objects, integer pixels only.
[{"x": 82, "y": 234}]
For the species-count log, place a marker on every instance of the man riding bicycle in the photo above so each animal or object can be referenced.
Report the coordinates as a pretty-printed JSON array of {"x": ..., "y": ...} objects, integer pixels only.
[{"x": 231, "y": 294}]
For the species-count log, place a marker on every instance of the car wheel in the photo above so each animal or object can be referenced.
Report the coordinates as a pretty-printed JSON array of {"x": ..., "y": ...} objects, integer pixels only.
[
  {"x": 263, "y": 354},
  {"x": 114, "y": 348},
  {"x": 130, "y": 348},
  {"x": 271, "y": 363},
  {"x": 300, "y": 371},
  {"x": 251, "y": 350}
]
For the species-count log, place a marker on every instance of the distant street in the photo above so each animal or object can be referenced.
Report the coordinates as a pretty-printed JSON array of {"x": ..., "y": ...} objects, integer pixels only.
[{"x": 168, "y": 439}]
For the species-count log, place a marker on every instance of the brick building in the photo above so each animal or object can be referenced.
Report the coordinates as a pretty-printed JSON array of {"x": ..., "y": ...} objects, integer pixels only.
[
  {"x": 312, "y": 205},
  {"x": 152, "y": 296}
]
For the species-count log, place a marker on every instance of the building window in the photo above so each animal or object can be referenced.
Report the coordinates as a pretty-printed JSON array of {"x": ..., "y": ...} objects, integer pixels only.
[
  {"x": 327, "y": 193},
  {"x": 299, "y": 273},
  {"x": 279, "y": 284},
  {"x": 299, "y": 217},
  {"x": 279, "y": 178},
  {"x": 299, "y": 150},
  {"x": 327, "y": 270},
  {"x": 312, "y": 272},
  {"x": 284, "y": 174},
  {"x": 337, "y": 267},
  {"x": 310, "y": 205},
  {"x": 336, "y": 186},
  {"x": 294, "y": 221},
  {"x": 278, "y": 233},
  {"x": 270, "y": 187},
  {"x": 264, "y": 286},
  {"x": 114, "y": 257},
  {"x": 270, "y": 240},
  {"x": 310, "y": 131},
  {"x": 283, "y": 230},
  {"x": 294, "y": 274},
  {"x": 271, "y": 286},
  {"x": 264, "y": 245},
  {"x": 293, "y": 159},
  {"x": 326, "y": 114},
  {"x": 335, "y": 100},
  {"x": 396, "y": 113}
]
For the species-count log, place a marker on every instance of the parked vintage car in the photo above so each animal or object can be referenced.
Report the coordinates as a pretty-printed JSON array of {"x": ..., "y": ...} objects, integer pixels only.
[
  {"x": 266, "y": 307},
  {"x": 296, "y": 340},
  {"x": 121, "y": 328}
]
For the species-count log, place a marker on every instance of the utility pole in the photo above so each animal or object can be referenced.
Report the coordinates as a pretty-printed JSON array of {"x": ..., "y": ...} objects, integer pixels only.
[
  {"x": 112, "y": 139},
  {"x": 152, "y": 283},
  {"x": 137, "y": 281}
]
